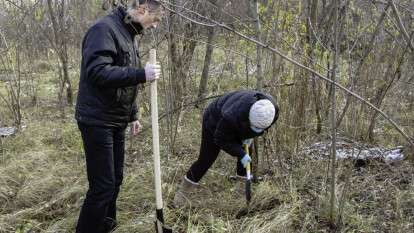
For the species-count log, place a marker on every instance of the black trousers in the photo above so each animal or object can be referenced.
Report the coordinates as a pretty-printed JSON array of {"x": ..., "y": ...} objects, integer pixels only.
[
  {"x": 208, "y": 155},
  {"x": 104, "y": 150}
]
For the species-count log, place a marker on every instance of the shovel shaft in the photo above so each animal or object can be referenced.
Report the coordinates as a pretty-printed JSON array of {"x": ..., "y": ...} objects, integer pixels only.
[
  {"x": 248, "y": 177},
  {"x": 159, "y": 222},
  {"x": 246, "y": 149},
  {"x": 155, "y": 135},
  {"x": 248, "y": 172}
]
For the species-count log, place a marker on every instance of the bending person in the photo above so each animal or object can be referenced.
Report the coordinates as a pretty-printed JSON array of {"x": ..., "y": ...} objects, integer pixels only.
[{"x": 228, "y": 122}]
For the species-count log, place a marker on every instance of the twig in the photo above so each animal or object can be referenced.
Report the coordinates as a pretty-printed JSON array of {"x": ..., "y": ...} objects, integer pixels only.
[
  {"x": 401, "y": 25},
  {"x": 389, "y": 119},
  {"x": 280, "y": 85}
]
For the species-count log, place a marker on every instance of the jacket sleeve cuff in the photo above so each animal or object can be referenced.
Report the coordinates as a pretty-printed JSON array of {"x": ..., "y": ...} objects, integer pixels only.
[
  {"x": 134, "y": 117},
  {"x": 134, "y": 113},
  {"x": 140, "y": 75},
  {"x": 242, "y": 153}
]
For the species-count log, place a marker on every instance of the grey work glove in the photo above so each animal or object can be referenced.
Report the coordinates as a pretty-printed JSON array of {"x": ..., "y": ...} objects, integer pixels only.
[
  {"x": 152, "y": 72},
  {"x": 245, "y": 160}
]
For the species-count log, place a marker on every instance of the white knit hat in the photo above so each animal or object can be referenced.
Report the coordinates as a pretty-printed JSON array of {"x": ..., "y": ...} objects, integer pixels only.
[{"x": 261, "y": 114}]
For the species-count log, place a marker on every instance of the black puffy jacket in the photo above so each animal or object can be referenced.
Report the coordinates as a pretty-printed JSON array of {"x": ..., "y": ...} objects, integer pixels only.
[
  {"x": 108, "y": 75},
  {"x": 227, "y": 119}
]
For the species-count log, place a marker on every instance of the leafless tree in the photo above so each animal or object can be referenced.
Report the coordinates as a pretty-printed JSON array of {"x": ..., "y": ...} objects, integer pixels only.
[{"x": 59, "y": 39}]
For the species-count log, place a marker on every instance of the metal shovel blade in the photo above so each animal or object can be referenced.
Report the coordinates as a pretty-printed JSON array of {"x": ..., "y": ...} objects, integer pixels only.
[
  {"x": 159, "y": 223},
  {"x": 248, "y": 184},
  {"x": 161, "y": 228},
  {"x": 248, "y": 191}
]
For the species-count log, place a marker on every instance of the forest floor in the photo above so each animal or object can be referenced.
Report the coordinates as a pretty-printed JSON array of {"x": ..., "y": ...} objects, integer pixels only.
[{"x": 43, "y": 182}]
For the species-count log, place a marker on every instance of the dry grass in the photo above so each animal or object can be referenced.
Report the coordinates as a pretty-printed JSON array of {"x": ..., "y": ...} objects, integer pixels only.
[{"x": 42, "y": 184}]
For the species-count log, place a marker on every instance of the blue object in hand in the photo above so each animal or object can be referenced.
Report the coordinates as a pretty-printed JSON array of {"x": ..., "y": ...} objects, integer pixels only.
[{"x": 245, "y": 160}]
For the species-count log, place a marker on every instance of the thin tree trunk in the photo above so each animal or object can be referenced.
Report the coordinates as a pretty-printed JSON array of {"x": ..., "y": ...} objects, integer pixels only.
[
  {"x": 296, "y": 63},
  {"x": 355, "y": 78},
  {"x": 202, "y": 90},
  {"x": 174, "y": 63},
  {"x": 332, "y": 208},
  {"x": 311, "y": 23},
  {"x": 66, "y": 78},
  {"x": 259, "y": 82},
  {"x": 404, "y": 32},
  {"x": 246, "y": 61},
  {"x": 258, "y": 26},
  {"x": 16, "y": 102},
  {"x": 185, "y": 58},
  {"x": 180, "y": 60},
  {"x": 382, "y": 92},
  {"x": 60, "y": 45}
]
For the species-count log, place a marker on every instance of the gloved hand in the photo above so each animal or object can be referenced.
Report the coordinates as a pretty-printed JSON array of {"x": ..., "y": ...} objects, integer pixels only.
[
  {"x": 248, "y": 142},
  {"x": 245, "y": 160},
  {"x": 152, "y": 72}
]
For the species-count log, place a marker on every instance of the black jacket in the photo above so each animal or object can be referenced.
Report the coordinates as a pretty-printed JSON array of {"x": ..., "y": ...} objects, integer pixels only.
[
  {"x": 227, "y": 119},
  {"x": 108, "y": 75}
]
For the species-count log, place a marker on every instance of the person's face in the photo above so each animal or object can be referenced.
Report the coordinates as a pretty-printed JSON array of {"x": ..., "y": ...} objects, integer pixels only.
[{"x": 147, "y": 17}]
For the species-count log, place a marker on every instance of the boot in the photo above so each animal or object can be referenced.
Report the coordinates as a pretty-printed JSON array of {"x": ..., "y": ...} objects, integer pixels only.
[{"x": 183, "y": 194}]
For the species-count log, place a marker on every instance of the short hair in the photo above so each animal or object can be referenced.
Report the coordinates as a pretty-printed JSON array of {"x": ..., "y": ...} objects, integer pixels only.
[{"x": 154, "y": 6}]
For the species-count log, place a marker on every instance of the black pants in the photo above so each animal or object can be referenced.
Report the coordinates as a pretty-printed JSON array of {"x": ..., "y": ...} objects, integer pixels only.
[
  {"x": 104, "y": 149},
  {"x": 208, "y": 154}
]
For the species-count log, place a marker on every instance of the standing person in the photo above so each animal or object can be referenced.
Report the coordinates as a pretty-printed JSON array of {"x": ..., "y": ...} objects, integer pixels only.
[
  {"x": 228, "y": 122},
  {"x": 106, "y": 104}
]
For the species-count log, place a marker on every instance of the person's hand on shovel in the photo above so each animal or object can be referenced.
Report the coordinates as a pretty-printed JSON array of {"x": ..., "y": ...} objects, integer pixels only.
[
  {"x": 152, "y": 72},
  {"x": 246, "y": 160},
  {"x": 248, "y": 142},
  {"x": 135, "y": 127}
]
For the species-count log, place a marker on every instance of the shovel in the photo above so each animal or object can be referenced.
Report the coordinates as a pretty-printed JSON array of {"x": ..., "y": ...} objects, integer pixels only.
[
  {"x": 248, "y": 178},
  {"x": 159, "y": 222}
]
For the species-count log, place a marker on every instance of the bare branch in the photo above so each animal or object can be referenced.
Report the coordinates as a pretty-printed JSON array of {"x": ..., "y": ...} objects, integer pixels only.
[
  {"x": 189, "y": 19},
  {"x": 317, "y": 74},
  {"x": 401, "y": 25}
]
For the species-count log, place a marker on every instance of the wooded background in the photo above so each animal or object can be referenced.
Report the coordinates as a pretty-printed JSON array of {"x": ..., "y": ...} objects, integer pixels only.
[
  {"x": 210, "y": 47},
  {"x": 374, "y": 46}
]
